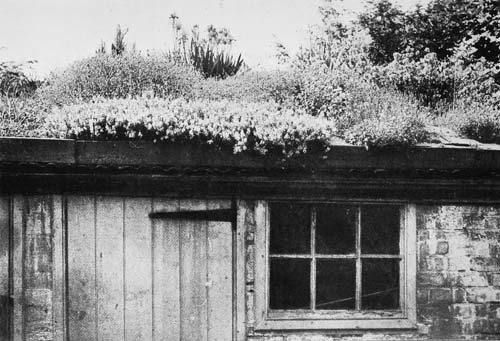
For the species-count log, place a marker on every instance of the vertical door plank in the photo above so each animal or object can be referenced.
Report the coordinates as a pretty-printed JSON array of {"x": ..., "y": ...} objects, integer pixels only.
[
  {"x": 82, "y": 299},
  {"x": 138, "y": 274},
  {"x": 220, "y": 278},
  {"x": 59, "y": 269},
  {"x": 166, "y": 289},
  {"x": 109, "y": 246},
  {"x": 4, "y": 268},
  {"x": 5, "y": 306},
  {"x": 4, "y": 246},
  {"x": 193, "y": 274},
  {"x": 239, "y": 271},
  {"x": 18, "y": 265}
]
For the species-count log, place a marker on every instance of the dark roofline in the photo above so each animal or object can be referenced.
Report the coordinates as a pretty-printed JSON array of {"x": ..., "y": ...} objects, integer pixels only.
[
  {"x": 63, "y": 152},
  {"x": 427, "y": 172}
]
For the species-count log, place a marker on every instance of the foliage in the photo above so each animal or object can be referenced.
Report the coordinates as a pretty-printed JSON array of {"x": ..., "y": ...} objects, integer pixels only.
[
  {"x": 428, "y": 79},
  {"x": 210, "y": 55},
  {"x": 385, "y": 24},
  {"x": 14, "y": 82},
  {"x": 22, "y": 116},
  {"x": 250, "y": 86},
  {"x": 439, "y": 83},
  {"x": 439, "y": 28},
  {"x": 333, "y": 43},
  {"x": 381, "y": 118},
  {"x": 476, "y": 121},
  {"x": 314, "y": 89},
  {"x": 118, "y": 47},
  {"x": 212, "y": 63},
  {"x": 239, "y": 125},
  {"x": 242, "y": 125},
  {"x": 127, "y": 75}
]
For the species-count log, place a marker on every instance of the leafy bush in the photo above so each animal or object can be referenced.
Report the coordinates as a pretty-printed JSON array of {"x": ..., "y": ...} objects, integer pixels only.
[
  {"x": 126, "y": 75},
  {"x": 22, "y": 116},
  {"x": 210, "y": 55},
  {"x": 242, "y": 126},
  {"x": 428, "y": 79},
  {"x": 380, "y": 118},
  {"x": 14, "y": 82},
  {"x": 213, "y": 63},
  {"x": 439, "y": 27},
  {"x": 252, "y": 86},
  {"x": 314, "y": 89},
  {"x": 476, "y": 121},
  {"x": 239, "y": 125}
]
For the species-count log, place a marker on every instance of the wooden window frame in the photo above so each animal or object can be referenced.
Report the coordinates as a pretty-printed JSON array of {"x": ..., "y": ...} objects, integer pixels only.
[{"x": 267, "y": 319}]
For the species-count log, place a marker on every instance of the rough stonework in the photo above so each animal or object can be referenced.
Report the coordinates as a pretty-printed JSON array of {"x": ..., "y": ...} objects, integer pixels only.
[{"x": 458, "y": 274}]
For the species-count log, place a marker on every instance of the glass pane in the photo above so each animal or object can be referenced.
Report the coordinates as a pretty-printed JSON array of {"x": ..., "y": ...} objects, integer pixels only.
[
  {"x": 335, "y": 229},
  {"x": 289, "y": 285},
  {"x": 380, "y": 284},
  {"x": 335, "y": 284},
  {"x": 290, "y": 229},
  {"x": 380, "y": 225}
]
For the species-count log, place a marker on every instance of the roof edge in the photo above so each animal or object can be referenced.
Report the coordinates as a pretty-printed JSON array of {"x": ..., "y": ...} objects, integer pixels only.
[{"x": 148, "y": 154}]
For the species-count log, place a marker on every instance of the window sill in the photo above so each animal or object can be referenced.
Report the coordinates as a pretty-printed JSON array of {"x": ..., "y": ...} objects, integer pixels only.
[
  {"x": 334, "y": 315},
  {"x": 341, "y": 324}
]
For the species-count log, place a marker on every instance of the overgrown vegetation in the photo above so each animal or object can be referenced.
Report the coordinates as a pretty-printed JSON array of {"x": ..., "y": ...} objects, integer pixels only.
[
  {"x": 377, "y": 82},
  {"x": 126, "y": 75}
]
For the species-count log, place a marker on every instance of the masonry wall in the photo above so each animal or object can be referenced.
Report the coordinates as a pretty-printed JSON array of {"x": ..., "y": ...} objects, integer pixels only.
[{"x": 458, "y": 278}]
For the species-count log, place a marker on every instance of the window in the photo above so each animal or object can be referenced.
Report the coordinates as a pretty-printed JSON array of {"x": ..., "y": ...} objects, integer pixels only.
[{"x": 335, "y": 265}]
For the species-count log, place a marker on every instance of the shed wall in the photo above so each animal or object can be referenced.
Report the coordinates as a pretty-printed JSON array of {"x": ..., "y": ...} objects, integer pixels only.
[{"x": 458, "y": 276}]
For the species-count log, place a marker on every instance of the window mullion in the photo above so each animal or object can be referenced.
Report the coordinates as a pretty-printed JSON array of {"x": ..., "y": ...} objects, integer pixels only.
[
  {"x": 313, "y": 258},
  {"x": 358, "y": 259}
]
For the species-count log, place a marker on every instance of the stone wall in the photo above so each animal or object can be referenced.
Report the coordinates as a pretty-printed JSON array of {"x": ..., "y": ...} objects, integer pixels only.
[{"x": 458, "y": 278}]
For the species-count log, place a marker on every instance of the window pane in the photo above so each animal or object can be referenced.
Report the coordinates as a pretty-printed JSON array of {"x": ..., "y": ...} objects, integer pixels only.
[
  {"x": 335, "y": 229},
  {"x": 290, "y": 229},
  {"x": 335, "y": 284},
  {"x": 380, "y": 284},
  {"x": 290, "y": 284},
  {"x": 380, "y": 225}
]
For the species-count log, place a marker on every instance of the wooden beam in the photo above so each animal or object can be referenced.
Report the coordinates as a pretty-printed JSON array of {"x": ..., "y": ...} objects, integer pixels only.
[{"x": 228, "y": 215}]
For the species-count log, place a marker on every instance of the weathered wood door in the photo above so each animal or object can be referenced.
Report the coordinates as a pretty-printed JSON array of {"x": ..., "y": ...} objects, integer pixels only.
[{"x": 131, "y": 277}]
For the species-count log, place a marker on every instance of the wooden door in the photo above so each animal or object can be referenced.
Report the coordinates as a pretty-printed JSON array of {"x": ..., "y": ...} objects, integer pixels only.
[{"x": 131, "y": 277}]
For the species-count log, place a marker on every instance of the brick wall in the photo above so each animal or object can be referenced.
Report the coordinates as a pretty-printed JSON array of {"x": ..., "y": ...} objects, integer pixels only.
[{"x": 458, "y": 278}]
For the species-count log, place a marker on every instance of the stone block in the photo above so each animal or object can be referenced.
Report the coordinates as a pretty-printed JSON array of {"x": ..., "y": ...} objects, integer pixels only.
[
  {"x": 485, "y": 264},
  {"x": 494, "y": 279},
  {"x": 440, "y": 295},
  {"x": 442, "y": 248},
  {"x": 459, "y": 295},
  {"x": 422, "y": 296},
  {"x": 464, "y": 310},
  {"x": 435, "y": 279},
  {"x": 483, "y": 295}
]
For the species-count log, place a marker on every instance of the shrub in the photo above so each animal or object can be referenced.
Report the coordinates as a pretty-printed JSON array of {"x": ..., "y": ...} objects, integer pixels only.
[
  {"x": 22, "y": 116},
  {"x": 476, "y": 121},
  {"x": 213, "y": 63},
  {"x": 242, "y": 126},
  {"x": 14, "y": 82},
  {"x": 428, "y": 79},
  {"x": 126, "y": 75},
  {"x": 314, "y": 89},
  {"x": 252, "y": 86},
  {"x": 380, "y": 118}
]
